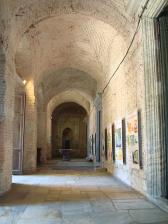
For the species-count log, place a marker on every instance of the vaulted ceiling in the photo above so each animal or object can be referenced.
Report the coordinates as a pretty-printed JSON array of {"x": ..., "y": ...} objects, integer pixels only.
[{"x": 68, "y": 45}]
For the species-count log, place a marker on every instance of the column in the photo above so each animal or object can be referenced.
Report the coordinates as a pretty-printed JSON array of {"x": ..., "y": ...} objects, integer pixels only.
[
  {"x": 152, "y": 96},
  {"x": 30, "y": 136},
  {"x": 6, "y": 124}
]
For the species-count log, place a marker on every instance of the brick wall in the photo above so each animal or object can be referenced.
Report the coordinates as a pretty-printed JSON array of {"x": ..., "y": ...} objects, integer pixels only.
[{"x": 124, "y": 96}]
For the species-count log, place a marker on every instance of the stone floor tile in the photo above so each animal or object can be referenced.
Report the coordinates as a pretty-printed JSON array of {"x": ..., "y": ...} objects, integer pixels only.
[
  {"x": 133, "y": 204},
  {"x": 125, "y": 195},
  {"x": 38, "y": 221},
  {"x": 112, "y": 218},
  {"x": 149, "y": 216},
  {"x": 102, "y": 205},
  {"x": 78, "y": 218},
  {"x": 75, "y": 207},
  {"x": 76, "y": 197},
  {"x": 41, "y": 212}
]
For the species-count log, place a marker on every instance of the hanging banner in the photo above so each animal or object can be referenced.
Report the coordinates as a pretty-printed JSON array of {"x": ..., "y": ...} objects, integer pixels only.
[
  {"x": 118, "y": 142},
  {"x": 132, "y": 137}
]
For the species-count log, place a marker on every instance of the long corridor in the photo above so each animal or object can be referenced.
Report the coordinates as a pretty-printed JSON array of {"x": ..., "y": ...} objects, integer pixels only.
[{"x": 75, "y": 197}]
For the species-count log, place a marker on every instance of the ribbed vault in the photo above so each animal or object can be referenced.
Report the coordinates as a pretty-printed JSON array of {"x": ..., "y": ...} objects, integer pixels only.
[{"x": 69, "y": 96}]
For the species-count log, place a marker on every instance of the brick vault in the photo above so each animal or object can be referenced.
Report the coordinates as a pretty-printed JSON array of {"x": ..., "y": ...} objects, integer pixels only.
[{"x": 105, "y": 63}]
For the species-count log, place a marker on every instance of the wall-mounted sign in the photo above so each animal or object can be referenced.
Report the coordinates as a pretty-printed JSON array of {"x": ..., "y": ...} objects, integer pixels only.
[
  {"x": 118, "y": 142},
  {"x": 132, "y": 137}
]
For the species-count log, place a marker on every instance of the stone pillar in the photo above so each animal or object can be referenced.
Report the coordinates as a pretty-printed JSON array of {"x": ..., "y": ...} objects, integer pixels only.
[
  {"x": 6, "y": 125},
  {"x": 163, "y": 76},
  {"x": 152, "y": 95},
  {"x": 30, "y": 135}
]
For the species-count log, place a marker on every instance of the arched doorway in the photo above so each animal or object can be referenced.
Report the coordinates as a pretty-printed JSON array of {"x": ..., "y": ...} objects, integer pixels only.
[{"x": 69, "y": 130}]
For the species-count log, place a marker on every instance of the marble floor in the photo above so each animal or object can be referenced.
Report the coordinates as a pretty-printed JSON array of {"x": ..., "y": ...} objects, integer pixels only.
[{"x": 75, "y": 197}]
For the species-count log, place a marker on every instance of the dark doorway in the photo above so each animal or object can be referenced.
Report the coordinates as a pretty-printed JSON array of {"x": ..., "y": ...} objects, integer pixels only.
[
  {"x": 67, "y": 138},
  {"x": 106, "y": 147},
  {"x": 67, "y": 144}
]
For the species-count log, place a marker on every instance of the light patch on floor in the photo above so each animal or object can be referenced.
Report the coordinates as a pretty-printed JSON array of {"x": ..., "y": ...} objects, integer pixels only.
[{"x": 76, "y": 197}]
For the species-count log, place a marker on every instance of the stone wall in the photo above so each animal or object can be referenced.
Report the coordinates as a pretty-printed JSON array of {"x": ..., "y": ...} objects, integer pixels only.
[
  {"x": 95, "y": 42},
  {"x": 78, "y": 141},
  {"x": 124, "y": 96}
]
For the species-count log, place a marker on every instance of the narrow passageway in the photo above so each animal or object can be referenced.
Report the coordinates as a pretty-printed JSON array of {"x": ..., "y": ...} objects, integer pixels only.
[
  {"x": 75, "y": 196},
  {"x": 83, "y": 111}
]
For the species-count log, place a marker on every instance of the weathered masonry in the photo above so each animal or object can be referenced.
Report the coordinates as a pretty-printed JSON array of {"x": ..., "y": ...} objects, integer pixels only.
[{"x": 90, "y": 77}]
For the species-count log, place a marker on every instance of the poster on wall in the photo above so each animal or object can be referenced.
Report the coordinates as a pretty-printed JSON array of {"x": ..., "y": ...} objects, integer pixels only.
[
  {"x": 109, "y": 142},
  {"x": 118, "y": 142},
  {"x": 132, "y": 137}
]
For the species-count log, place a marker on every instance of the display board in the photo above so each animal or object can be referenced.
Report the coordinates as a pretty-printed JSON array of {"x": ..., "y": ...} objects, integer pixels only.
[
  {"x": 132, "y": 138},
  {"x": 118, "y": 142}
]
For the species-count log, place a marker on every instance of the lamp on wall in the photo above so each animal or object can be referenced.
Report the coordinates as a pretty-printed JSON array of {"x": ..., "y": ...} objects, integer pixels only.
[{"x": 24, "y": 82}]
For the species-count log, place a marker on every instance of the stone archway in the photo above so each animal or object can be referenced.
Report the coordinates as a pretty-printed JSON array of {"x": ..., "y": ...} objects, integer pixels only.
[{"x": 69, "y": 130}]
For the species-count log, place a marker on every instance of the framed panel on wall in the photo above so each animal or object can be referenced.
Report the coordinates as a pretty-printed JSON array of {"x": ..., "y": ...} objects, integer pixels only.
[
  {"x": 106, "y": 144},
  {"x": 124, "y": 141},
  {"x": 113, "y": 142},
  {"x": 133, "y": 139},
  {"x": 109, "y": 142},
  {"x": 118, "y": 143},
  {"x": 140, "y": 139}
]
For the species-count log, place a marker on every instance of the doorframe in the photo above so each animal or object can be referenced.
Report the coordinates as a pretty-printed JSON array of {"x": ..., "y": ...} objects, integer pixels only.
[{"x": 22, "y": 133}]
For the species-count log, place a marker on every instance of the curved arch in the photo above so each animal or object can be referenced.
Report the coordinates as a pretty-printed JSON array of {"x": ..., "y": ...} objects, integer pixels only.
[
  {"x": 110, "y": 11},
  {"x": 69, "y": 96},
  {"x": 66, "y": 131},
  {"x": 67, "y": 80},
  {"x": 65, "y": 97},
  {"x": 66, "y": 117},
  {"x": 74, "y": 41}
]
